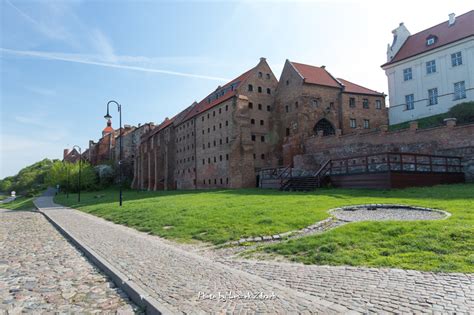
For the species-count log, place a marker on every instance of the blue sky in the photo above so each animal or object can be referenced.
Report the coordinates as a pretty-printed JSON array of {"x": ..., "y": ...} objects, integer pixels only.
[{"x": 61, "y": 61}]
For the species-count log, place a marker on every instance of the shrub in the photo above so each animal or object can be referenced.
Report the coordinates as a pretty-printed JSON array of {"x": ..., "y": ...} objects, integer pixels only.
[{"x": 464, "y": 112}]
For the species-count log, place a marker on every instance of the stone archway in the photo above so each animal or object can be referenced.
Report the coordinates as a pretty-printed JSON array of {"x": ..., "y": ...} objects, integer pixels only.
[{"x": 325, "y": 126}]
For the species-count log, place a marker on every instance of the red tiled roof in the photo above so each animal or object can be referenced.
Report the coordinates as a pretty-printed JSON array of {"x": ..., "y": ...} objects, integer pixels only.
[
  {"x": 416, "y": 44},
  {"x": 357, "y": 89},
  {"x": 204, "y": 105},
  {"x": 315, "y": 75}
]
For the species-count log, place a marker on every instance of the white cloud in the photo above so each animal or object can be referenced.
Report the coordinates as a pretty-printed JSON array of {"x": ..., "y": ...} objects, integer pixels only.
[{"x": 86, "y": 59}]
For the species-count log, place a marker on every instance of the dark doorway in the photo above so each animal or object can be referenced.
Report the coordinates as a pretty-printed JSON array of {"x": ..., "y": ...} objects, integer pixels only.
[{"x": 325, "y": 126}]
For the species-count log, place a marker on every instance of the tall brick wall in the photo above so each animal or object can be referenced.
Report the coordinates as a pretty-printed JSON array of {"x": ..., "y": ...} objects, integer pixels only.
[{"x": 445, "y": 140}]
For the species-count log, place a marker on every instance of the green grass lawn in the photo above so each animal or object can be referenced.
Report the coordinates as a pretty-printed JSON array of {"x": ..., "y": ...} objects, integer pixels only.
[
  {"x": 20, "y": 203},
  {"x": 222, "y": 215}
]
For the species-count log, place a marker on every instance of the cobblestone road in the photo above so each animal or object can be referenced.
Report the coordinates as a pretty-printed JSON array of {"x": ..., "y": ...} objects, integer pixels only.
[
  {"x": 41, "y": 272},
  {"x": 181, "y": 280},
  {"x": 176, "y": 276},
  {"x": 373, "y": 289}
]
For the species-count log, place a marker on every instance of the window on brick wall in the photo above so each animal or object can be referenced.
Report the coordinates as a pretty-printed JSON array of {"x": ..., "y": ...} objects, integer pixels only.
[
  {"x": 366, "y": 124},
  {"x": 253, "y": 137},
  {"x": 260, "y": 106},
  {"x": 227, "y": 107},
  {"x": 353, "y": 123},
  {"x": 365, "y": 103},
  {"x": 287, "y": 132},
  {"x": 220, "y": 157},
  {"x": 227, "y": 123},
  {"x": 250, "y": 105},
  {"x": 262, "y": 138},
  {"x": 227, "y": 157},
  {"x": 352, "y": 102},
  {"x": 250, "y": 88},
  {"x": 262, "y": 156},
  {"x": 259, "y": 89},
  {"x": 226, "y": 139},
  {"x": 254, "y": 156},
  {"x": 269, "y": 91},
  {"x": 260, "y": 74},
  {"x": 220, "y": 141},
  {"x": 378, "y": 104},
  {"x": 262, "y": 122},
  {"x": 287, "y": 108},
  {"x": 287, "y": 82},
  {"x": 269, "y": 108},
  {"x": 252, "y": 121},
  {"x": 268, "y": 76}
]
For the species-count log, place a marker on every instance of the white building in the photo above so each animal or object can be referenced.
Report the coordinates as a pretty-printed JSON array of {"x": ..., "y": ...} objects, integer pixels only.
[{"x": 430, "y": 71}]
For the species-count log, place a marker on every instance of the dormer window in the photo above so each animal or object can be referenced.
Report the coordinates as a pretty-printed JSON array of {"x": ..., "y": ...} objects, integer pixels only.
[{"x": 431, "y": 40}]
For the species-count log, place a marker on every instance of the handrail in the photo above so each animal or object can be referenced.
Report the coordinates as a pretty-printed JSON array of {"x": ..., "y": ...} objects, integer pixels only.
[{"x": 398, "y": 153}]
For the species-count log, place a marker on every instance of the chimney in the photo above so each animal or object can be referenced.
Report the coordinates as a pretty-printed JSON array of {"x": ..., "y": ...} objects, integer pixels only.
[
  {"x": 65, "y": 153},
  {"x": 262, "y": 59},
  {"x": 452, "y": 19},
  {"x": 323, "y": 67}
]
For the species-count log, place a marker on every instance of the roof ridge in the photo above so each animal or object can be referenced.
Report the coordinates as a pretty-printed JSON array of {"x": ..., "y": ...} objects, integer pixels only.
[{"x": 441, "y": 23}]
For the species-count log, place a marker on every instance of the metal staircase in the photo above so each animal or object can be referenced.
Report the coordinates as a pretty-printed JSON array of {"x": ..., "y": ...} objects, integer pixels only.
[{"x": 305, "y": 182}]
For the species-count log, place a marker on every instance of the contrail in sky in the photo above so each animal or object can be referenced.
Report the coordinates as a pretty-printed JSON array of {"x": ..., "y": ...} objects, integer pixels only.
[{"x": 78, "y": 59}]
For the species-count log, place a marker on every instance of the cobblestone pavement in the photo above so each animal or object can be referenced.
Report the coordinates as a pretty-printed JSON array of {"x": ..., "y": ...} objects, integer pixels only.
[
  {"x": 182, "y": 276},
  {"x": 181, "y": 280},
  {"x": 373, "y": 289},
  {"x": 41, "y": 272}
]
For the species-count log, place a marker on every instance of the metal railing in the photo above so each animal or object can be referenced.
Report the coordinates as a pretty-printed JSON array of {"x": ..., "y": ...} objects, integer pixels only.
[{"x": 396, "y": 161}]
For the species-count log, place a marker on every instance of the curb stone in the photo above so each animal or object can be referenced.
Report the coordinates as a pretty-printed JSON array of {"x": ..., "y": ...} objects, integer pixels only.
[{"x": 134, "y": 292}]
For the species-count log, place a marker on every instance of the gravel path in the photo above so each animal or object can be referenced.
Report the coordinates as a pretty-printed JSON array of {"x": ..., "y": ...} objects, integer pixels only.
[
  {"x": 181, "y": 280},
  {"x": 41, "y": 272},
  {"x": 384, "y": 214}
]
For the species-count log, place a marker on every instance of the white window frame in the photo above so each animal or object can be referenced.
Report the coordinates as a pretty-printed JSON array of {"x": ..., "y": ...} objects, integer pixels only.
[
  {"x": 409, "y": 102},
  {"x": 353, "y": 123},
  {"x": 456, "y": 59},
  {"x": 378, "y": 104},
  {"x": 366, "y": 124},
  {"x": 407, "y": 74},
  {"x": 431, "y": 66},
  {"x": 459, "y": 90},
  {"x": 433, "y": 96}
]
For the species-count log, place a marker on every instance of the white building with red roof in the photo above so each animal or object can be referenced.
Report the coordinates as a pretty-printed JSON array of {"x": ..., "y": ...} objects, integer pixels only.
[{"x": 430, "y": 71}]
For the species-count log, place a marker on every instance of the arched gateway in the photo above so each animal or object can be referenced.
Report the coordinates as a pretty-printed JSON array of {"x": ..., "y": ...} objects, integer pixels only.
[{"x": 325, "y": 126}]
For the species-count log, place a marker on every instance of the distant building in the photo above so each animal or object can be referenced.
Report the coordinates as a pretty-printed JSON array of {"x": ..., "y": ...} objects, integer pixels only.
[
  {"x": 311, "y": 101},
  {"x": 252, "y": 123},
  {"x": 71, "y": 156},
  {"x": 432, "y": 70}
]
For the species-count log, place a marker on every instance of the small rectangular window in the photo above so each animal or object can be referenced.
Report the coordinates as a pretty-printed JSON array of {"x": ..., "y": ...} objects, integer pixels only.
[
  {"x": 459, "y": 90},
  {"x": 431, "y": 67},
  {"x": 378, "y": 104},
  {"x": 352, "y": 102},
  {"x": 433, "y": 96},
  {"x": 269, "y": 108},
  {"x": 259, "y": 106},
  {"x": 287, "y": 132},
  {"x": 407, "y": 74},
  {"x": 365, "y": 103},
  {"x": 366, "y": 124},
  {"x": 456, "y": 59},
  {"x": 262, "y": 138},
  {"x": 353, "y": 123},
  {"x": 410, "y": 101},
  {"x": 253, "y": 137},
  {"x": 250, "y": 105}
]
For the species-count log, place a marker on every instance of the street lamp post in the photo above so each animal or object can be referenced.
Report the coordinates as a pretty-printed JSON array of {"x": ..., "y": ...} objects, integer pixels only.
[
  {"x": 80, "y": 170},
  {"x": 107, "y": 116},
  {"x": 67, "y": 177}
]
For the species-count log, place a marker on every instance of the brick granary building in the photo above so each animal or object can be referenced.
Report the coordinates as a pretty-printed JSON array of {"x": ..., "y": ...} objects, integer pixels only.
[{"x": 243, "y": 126}]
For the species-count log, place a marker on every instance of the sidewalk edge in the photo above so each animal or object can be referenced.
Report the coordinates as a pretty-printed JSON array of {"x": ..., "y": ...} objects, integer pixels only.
[{"x": 134, "y": 292}]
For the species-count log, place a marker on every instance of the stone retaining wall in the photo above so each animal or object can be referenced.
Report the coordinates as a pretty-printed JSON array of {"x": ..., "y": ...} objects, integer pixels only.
[{"x": 444, "y": 140}]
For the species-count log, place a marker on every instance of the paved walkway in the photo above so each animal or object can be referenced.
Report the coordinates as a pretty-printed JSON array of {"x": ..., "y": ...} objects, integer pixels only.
[
  {"x": 183, "y": 280},
  {"x": 41, "y": 272},
  {"x": 180, "y": 280},
  {"x": 373, "y": 289}
]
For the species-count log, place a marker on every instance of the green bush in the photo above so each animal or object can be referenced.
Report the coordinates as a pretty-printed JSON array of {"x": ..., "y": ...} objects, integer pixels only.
[{"x": 464, "y": 112}]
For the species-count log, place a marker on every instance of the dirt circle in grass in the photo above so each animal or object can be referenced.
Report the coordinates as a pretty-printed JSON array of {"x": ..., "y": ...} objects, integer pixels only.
[{"x": 387, "y": 213}]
